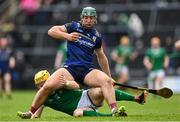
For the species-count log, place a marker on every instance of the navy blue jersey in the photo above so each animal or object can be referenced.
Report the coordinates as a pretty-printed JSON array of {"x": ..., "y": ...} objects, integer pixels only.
[
  {"x": 5, "y": 54},
  {"x": 80, "y": 52}
]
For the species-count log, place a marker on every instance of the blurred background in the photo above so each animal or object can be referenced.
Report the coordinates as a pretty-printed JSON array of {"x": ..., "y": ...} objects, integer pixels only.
[{"x": 24, "y": 24}]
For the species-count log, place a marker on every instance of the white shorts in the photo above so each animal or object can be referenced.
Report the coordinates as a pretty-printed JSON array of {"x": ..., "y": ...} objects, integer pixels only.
[
  {"x": 152, "y": 75},
  {"x": 158, "y": 73},
  {"x": 85, "y": 101},
  {"x": 121, "y": 69}
]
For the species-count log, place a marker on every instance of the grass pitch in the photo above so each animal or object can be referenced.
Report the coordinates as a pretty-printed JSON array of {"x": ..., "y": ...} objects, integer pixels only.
[{"x": 153, "y": 110}]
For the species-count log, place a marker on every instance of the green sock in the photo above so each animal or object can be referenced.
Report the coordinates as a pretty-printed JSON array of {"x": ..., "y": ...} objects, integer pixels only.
[
  {"x": 94, "y": 113},
  {"x": 120, "y": 95}
]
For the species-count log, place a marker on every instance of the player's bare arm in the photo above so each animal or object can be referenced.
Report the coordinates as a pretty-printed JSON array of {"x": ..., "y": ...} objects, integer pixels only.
[
  {"x": 38, "y": 113},
  {"x": 166, "y": 62},
  {"x": 116, "y": 58},
  {"x": 60, "y": 32},
  {"x": 103, "y": 61},
  {"x": 147, "y": 63},
  {"x": 12, "y": 62}
]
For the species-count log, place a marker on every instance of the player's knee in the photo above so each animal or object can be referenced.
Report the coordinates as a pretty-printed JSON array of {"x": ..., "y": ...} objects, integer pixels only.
[
  {"x": 7, "y": 77},
  {"x": 159, "y": 79},
  {"x": 99, "y": 92},
  {"x": 108, "y": 81},
  {"x": 7, "y": 82},
  {"x": 78, "y": 113}
]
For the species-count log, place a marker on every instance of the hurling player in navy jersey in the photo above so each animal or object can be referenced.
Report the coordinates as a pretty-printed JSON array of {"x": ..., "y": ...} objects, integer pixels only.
[
  {"x": 7, "y": 64},
  {"x": 82, "y": 41}
]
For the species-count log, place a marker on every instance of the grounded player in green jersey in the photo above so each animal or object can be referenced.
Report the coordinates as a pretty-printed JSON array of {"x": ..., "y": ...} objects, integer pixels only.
[
  {"x": 122, "y": 55},
  {"x": 155, "y": 61},
  {"x": 78, "y": 102}
]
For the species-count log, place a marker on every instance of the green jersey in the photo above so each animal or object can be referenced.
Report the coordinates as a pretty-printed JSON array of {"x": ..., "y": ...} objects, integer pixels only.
[
  {"x": 124, "y": 51},
  {"x": 64, "y": 100},
  {"x": 156, "y": 57}
]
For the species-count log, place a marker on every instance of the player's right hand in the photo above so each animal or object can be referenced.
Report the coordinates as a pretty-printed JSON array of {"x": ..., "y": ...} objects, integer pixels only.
[
  {"x": 149, "y": 67},
  {"x": 73, "y": 36}
]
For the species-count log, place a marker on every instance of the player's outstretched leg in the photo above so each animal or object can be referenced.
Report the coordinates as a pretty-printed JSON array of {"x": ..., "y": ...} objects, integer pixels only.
[
  {"x": 88, "y": 112},
  {"x": 97, "y": 97},
  {"x": 80, "y": 112},
  {"x": 121, "y": 95}
]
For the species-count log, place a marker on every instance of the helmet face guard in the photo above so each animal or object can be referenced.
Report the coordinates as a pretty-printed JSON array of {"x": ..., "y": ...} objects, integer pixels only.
[{"x": 89, "y": 11}]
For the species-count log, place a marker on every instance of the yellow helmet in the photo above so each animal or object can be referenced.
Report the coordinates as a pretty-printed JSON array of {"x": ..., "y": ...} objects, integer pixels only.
[{"x": 41, "y": 76}]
